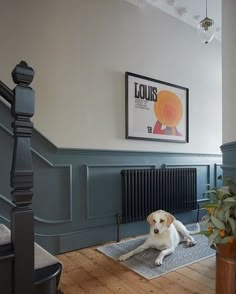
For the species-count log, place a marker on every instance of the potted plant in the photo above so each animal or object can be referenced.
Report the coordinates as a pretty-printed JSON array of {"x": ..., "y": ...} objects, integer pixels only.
[{"x": 220, "y": 223}]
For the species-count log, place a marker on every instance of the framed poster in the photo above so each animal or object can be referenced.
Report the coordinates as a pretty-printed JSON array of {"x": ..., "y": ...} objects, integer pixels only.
[{"x": 155, "y": 110}]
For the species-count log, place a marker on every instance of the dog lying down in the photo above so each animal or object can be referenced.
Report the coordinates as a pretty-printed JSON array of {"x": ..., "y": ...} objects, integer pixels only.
[{"x": 165, "y": 234}]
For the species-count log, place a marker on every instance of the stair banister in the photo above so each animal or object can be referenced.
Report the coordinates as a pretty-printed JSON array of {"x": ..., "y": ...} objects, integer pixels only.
[
  {"x": 6, "y": 93},
  {"x": 22, "y": 225}
]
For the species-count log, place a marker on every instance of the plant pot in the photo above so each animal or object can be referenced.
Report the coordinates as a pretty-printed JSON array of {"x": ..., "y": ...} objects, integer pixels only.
[{"x": 226, "y": 268}]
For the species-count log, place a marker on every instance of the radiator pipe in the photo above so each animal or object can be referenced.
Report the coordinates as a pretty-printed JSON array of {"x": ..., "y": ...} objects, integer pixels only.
[{"x": 118, "y": 227}]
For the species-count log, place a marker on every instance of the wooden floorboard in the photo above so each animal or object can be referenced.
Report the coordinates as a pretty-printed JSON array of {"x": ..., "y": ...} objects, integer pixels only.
[{"x": 88, "y": 271}]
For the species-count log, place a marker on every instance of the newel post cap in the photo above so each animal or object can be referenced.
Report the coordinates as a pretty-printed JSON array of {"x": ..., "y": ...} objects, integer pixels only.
[{"x": 23, "y": 74}]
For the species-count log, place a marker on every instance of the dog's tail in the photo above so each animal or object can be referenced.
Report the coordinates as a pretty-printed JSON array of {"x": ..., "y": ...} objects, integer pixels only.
[{"x": 198, "y": 229}]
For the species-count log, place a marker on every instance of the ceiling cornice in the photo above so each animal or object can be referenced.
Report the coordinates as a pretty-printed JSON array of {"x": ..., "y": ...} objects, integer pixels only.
[{"x": 190, "y": 12}]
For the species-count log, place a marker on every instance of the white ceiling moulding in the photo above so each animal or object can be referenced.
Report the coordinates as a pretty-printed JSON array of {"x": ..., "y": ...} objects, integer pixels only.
[
  {"x": 139, "y": 3},
  {"x": 188, "y": 11}
]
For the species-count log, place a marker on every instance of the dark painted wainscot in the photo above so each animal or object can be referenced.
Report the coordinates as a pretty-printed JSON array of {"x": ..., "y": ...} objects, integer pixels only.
[{"x": 80, "y": 190}]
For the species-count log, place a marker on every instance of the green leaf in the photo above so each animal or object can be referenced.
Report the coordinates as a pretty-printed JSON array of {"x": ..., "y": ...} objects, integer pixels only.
[
  {"x": 224, "y": 192},
  {"x": 219, "y": 224},
  {"x": 213, "y": 190},
  {"x": 211, "y": 205},
  {"x": 221, "y": 215},
  {"x": 218, "y": 239},
  {"x": 206, "y": 217},
  {"x": 228, "y": 228},
  {"x": 232, "y": 223},
  {"x": 214, "y": 197},
  {"x": 205, "y": 233},
  {"x": 227, "y": 214},
  {"x": 215, "y": 213},
  {"x": 212, "y": 237},
  {"x": 225, "y": 240},
  {"x": 229, "y": 182},
  {"x": 227, "y": 205},
  {"x": 230, "y": 200},
  {"x": 210, "y": 224}
]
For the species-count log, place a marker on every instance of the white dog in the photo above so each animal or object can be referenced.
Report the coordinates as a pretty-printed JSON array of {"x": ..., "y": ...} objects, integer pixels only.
[{"x": 165, "y": 234}]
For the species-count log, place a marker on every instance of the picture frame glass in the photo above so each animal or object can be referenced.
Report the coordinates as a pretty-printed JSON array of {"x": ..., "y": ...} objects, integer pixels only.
[{"x": 156, "y": 110}]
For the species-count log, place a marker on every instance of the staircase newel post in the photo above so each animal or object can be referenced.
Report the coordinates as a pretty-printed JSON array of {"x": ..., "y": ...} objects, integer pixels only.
[{"x": 22, "y": 218}]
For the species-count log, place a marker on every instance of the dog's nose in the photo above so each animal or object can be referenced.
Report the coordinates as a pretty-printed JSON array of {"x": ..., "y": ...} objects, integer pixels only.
[{"x": 156, "y": 231}]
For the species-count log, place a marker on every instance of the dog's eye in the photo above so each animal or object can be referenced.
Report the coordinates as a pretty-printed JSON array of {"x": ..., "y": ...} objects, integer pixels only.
[
  {"x": 161, "y": 220},
  {"x": 154, "y": 220}
]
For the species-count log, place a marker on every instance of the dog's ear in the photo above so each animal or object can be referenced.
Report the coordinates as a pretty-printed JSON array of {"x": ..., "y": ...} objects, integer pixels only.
[
  {"x": 150, "y": 219},
  {"x": 170, "y": 219}
]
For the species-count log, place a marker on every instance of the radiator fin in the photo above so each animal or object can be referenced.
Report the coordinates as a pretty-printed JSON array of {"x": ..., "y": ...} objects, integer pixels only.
[{"x": 147, "y": 190}]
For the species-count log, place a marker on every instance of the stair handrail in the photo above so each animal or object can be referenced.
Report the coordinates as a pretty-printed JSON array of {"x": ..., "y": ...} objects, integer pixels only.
[{"x": 6, "y": 93}]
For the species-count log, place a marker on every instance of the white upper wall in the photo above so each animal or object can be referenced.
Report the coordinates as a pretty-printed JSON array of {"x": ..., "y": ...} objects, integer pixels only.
[
  {"x": 80, "y": 50},
  {"x": 229, "y": 70}
]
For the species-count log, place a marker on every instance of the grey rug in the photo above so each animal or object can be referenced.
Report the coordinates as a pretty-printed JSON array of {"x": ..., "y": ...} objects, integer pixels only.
[{"x": 143, "y": 262}]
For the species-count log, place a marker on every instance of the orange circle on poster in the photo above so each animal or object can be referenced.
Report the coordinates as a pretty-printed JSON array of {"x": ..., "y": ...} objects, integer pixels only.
[{"x": 168, "y": 108}]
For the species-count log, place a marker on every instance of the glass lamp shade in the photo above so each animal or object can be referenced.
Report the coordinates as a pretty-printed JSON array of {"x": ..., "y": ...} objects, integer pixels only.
[{"x": 206, "y": 29}]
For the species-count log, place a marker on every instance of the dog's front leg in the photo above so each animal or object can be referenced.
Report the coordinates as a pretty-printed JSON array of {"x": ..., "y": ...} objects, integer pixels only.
[
  {"x": 162, "y": 254},
  {"x": 135, "y": 251}
]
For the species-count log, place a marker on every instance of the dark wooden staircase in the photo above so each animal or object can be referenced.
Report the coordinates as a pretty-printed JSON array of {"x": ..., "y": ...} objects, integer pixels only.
[{"x": 25, "y": 267}]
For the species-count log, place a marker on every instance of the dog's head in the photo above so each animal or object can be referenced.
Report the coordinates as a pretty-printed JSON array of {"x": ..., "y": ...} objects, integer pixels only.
[{"x": 160, "y": 221}]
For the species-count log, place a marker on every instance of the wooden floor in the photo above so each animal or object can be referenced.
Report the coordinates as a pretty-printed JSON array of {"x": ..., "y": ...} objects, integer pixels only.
[{"x": 89, "y": 271}]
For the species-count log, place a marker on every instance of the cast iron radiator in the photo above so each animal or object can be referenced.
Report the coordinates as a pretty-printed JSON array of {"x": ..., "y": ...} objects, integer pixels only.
[{"x": 147, "y": 190}]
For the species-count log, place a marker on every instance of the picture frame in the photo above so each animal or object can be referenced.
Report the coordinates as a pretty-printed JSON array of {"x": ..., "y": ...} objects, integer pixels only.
[{"x": 156, "y": 110}]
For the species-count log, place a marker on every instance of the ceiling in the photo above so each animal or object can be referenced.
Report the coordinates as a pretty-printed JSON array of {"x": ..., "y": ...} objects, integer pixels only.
[{"x": 188, "y": 11}]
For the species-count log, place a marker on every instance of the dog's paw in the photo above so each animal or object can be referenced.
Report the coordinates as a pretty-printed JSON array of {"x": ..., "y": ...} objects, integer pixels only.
[
  {"x": 123, "y": 257},
  {"x": 158, "y": 261},
  {"x": 191, "y": 243}
]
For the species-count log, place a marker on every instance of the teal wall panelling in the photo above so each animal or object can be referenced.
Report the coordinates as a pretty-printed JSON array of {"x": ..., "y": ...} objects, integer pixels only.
[
  {"x": 77, "y": 192},
  {"x": 229, "y": 160}
]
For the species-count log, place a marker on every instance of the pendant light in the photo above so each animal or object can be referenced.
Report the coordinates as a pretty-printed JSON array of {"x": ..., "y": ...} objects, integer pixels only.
[{"x": 206, "y": 29}]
